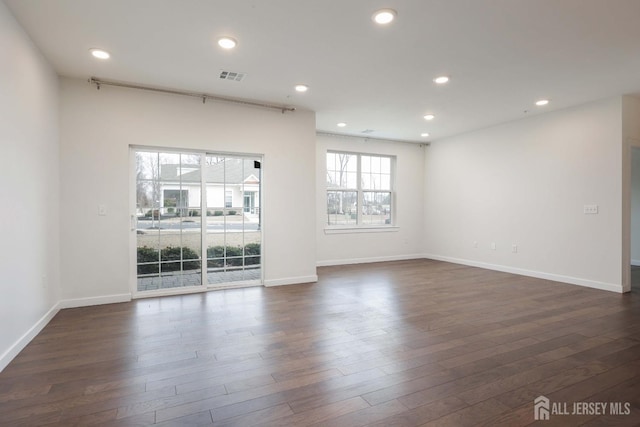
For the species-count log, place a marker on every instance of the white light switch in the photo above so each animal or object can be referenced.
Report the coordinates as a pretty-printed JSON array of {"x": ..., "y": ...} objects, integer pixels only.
[
  {"x": 102, "y": 210},
  {"x": 590, "y": 209}
]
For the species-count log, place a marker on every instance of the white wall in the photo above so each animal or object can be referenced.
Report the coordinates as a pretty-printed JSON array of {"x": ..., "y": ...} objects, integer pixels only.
[
  {"x": 525, "y": 183},
  {"x": 97, "y": 128},
  {"x": 406, "y": 241},
  {"x": 28, "y": 189}
]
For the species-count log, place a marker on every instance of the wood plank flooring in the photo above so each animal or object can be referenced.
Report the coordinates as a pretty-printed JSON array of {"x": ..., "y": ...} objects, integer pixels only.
[{"x": 404, "y": 343}]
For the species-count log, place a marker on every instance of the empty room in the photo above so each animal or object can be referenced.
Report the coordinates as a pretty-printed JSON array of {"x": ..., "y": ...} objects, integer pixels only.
[{"x": 320, "y": 213}]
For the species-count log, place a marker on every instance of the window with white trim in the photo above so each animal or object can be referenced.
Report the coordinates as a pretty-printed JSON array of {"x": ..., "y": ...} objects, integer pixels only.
[{"x": 359, "y": 189}]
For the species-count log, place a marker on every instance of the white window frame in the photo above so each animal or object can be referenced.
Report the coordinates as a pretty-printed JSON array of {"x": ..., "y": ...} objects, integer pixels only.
[{"x": 359, "y": 227}]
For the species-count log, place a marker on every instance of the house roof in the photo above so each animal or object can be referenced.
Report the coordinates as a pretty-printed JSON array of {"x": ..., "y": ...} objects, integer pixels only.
[{"x": 230, "y": 170}]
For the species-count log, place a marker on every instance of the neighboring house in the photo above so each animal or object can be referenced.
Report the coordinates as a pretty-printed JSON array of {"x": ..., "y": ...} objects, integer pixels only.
[{"x": 233, "y": 184}]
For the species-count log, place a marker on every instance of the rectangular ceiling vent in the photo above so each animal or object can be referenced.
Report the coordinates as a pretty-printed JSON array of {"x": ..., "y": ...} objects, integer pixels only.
[
  {"x": 232, "y": 75},
  {"x": 368, "y": 131}
]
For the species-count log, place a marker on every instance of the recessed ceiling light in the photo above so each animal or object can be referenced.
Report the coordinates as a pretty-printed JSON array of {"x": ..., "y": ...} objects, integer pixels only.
[
  {"x": 227, "y": 42},
  {"x": 429, "y": 117},
  {"x": 424, "y": 134},
  {"x": 542, "y": 102},
  {"x": 441, "y": 80},
  {"x": 384, "y": 16},
  {"x": 302, "y": 88},
  {"x": 341, "y": 124},
  {"x": 99, "y": 53}
]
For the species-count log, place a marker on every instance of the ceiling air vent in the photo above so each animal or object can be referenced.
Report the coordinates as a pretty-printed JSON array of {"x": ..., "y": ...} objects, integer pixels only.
[
  {"x": 232, "y": 75},
  {"x": 368, "y": 131}
]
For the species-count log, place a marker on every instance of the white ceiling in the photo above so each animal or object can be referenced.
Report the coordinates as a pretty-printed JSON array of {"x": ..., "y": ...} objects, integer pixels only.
[{"x": 501, "y": 55}]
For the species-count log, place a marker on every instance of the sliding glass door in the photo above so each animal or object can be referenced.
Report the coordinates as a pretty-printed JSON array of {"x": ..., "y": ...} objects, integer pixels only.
[
  {"x": 233, "y": 219},
  {"x": 180, "y": 244}
]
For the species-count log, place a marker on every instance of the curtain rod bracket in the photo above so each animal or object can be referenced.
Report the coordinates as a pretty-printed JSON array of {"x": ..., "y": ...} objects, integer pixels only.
[{"x": 93, "y": 81}]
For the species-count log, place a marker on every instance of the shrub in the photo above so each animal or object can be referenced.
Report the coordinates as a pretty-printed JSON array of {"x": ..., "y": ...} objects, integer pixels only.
[
  {"x": 156, "y": 214},
  {"x": 170, "y": 253},
  {"x": 252, "y": 249},
  {"x": 147, "y": 254},
  {"x": 194, "y": 212},
  {"x": 218, "y": 213},
  {"x": 232, "y": 212},
  {"x": 171, "y": 256},
  {"x": 233, "y": 255},
  {"x": 252, "y": 254},
  {"x": 215, "y": 252},
  {"x": 170, "y": 210}
]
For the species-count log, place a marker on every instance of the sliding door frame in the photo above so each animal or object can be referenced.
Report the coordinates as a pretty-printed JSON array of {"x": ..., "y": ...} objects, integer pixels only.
[{"x": 204, "y": 286}]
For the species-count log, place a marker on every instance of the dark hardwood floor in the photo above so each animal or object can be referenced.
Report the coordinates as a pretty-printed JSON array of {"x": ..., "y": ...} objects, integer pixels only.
[{"x": 390, "y": 344}]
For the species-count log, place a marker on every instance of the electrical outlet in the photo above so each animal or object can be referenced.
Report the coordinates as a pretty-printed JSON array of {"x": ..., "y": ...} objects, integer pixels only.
[
  {"x": 514, "y": 249},
  {"x": 493, "y": 246},
  {"x": 102, "y": 210},
  {"x": 590, "y": 209}
]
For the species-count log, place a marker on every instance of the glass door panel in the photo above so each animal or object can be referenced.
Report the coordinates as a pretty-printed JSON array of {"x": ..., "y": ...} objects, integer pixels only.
[
  {"x": 252, "y": 224},
  {"x": 190, "y": 202},
  {"x": 168, "y": 231},
  {"x": 231, "y": 223}
]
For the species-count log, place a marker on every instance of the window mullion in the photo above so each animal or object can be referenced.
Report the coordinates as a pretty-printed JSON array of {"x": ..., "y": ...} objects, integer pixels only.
[
  {"x": 204, "y": 262},
  {"x": 360, "y": 204}
]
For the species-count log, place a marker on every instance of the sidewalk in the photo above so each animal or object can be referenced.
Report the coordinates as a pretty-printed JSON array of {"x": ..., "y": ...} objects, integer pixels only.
[{"x": 192, "y": 278}]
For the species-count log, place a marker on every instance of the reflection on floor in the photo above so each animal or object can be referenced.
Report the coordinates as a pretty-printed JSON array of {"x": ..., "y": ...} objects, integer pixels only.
[{"x": 193, "y": 278}]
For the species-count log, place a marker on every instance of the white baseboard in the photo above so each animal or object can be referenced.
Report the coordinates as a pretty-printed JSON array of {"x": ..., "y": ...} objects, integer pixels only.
[
  {"x": 85, "y": 302},
  {"x": 327, "y": 263},
  {"x": 291, "y": 280},
  {"x": 612, "y": 287},
  {"x": 25, "y": 339},
  {"x": 635, "y": 262}
]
